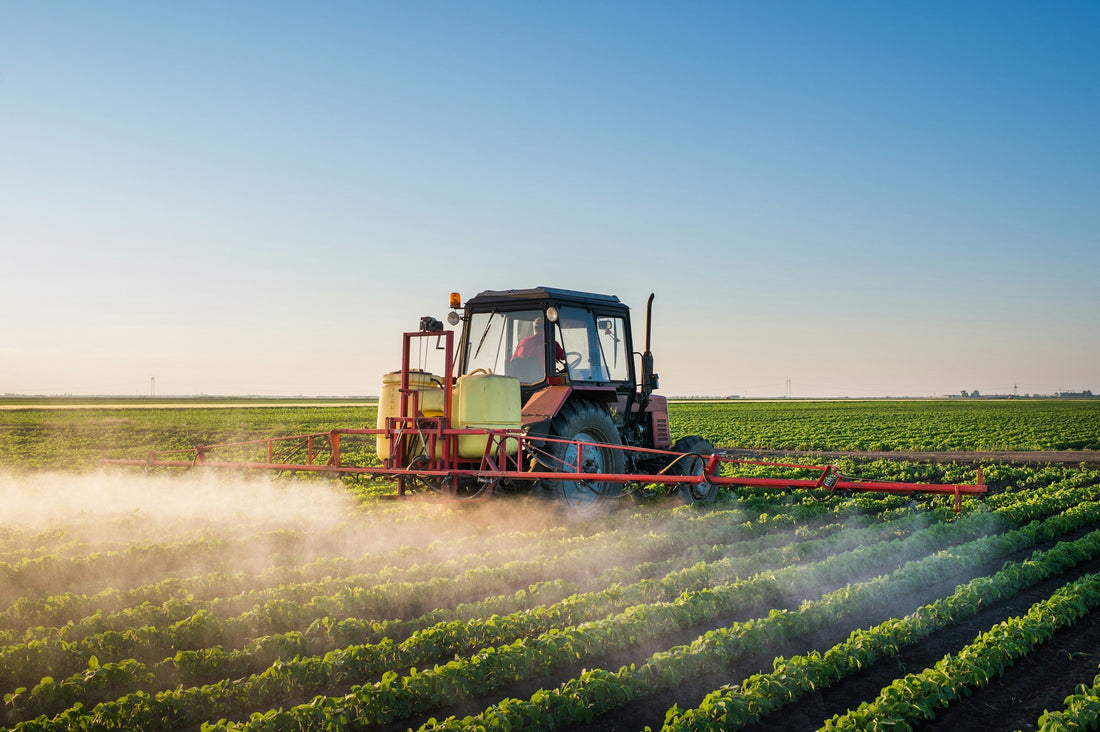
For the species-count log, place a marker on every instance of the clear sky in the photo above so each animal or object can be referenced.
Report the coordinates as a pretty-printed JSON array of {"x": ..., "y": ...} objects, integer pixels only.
[{"x": 868, "y": 198}]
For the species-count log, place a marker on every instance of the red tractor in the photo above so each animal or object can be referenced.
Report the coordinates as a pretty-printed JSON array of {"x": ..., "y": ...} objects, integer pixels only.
[{"x": 580, "y": 381}]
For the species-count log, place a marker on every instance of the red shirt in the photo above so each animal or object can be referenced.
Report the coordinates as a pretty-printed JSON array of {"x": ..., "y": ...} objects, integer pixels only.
[{"x": 531, "y": 347}]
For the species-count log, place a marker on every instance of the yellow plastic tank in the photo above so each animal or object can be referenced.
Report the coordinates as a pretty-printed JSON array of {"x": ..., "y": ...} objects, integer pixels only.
[
  {"x": 485, "y": 401},
  {"x": 429, "y": 388}
]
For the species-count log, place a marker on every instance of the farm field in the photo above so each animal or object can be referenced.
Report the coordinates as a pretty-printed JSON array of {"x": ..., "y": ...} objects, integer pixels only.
[
  {"x": 75, "y": 439},
  {"x": 158, "y": 601}
]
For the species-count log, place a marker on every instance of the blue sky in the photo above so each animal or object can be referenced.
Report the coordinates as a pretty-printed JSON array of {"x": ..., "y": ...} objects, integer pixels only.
[{"x": 258, "y": 198}]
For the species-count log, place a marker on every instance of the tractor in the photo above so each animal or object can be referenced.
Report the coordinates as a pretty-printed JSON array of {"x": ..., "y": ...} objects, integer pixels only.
[{"x": 580, "y": 381}]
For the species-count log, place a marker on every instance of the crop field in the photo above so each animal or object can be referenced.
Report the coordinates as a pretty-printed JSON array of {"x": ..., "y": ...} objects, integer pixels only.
[{"x": 199, "y": 601}]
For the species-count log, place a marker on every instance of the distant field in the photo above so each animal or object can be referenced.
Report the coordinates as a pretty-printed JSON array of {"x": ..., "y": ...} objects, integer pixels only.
[
  {"x": 76, "y": 439},
  {"x": 180, "y": 402},
  {"x": 55, "y": 436},
  {"x": 922, "y": 425}
]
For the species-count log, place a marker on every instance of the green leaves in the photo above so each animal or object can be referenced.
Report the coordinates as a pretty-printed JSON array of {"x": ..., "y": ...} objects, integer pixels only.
[
  {"x": 917, "y": 696},
  {"x": 912, "y": 696},
  {"x": 327, "y": 640},
  {"x": 920, "y": 425}
]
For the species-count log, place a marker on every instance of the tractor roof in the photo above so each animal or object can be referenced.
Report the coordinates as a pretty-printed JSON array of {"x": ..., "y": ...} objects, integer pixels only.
[{"x": 542, "y": 294}]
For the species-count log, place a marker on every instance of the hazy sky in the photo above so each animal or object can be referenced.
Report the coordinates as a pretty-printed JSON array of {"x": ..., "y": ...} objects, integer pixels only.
[{"x": 867, "y": 198}]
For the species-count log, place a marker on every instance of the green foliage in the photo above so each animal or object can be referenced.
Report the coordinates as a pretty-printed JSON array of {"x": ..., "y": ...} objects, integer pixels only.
[
  {"x": 77, "y": 439},
  {"x": 197, "y": 631},
  {"x": 1046, "y": 424}
]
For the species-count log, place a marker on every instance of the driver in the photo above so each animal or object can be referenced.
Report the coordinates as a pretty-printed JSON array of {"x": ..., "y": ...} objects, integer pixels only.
[{"x": 532, "y": 345}]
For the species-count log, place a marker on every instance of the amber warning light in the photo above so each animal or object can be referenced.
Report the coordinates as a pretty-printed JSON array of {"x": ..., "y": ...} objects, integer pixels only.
[{"x": 456, "y": 300}]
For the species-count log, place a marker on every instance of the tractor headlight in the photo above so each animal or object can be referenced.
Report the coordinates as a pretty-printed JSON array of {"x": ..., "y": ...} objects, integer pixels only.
[{"x": 552, "y": 314}]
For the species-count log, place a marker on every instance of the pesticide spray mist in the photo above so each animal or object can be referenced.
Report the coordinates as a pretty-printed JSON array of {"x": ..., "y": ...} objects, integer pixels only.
[
  {"x": 124, "y": 530},
  {"x": 97, "y": 501}
]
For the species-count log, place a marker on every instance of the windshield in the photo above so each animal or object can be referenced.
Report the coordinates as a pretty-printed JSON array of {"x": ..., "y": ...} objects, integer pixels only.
[{"x": 512, "y": 344}]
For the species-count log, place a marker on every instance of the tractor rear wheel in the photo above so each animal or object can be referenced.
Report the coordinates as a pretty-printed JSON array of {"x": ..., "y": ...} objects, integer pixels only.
[
  {"x": 584, "y": 421},
  {"x": 693, "y": 464}
]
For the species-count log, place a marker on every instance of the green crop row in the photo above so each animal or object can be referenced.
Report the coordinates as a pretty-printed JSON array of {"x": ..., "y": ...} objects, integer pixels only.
[
  {"x": 406, "y": 563},
  {"x": 916, "y": 697},
  {"x": 182, "y": 625},
  {"x": 733, "y": 707},
  {"x": 192, "y": 631},
  {"x": 420, "y": 692},
  {"x": 430, "y": 644},
  {"x": 599, "y": 691},
  {"x": 616, "y": 585},
  {"x": 1081, "y": 711}
]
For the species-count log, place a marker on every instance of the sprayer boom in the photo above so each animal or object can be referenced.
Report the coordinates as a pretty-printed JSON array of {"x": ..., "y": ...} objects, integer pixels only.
[
  {"x": 541, "y": 394},
  {"x": 503, "y": 465}
]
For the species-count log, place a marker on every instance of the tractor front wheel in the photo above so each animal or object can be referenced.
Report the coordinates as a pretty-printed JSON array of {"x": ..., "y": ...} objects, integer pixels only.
[{"x": 584, "y": 422}]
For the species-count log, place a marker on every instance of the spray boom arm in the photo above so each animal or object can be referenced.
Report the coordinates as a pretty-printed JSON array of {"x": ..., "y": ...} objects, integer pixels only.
[
  {"x": 422, "y": 452},
  {"x": 321, "y": 452}
]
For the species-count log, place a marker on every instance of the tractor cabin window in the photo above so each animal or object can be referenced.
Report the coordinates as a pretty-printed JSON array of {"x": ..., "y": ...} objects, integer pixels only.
[
  {"x": 612, "y": 339},
  {"x": 595, "y": 346},
  {"x": 512, "y": 343}
]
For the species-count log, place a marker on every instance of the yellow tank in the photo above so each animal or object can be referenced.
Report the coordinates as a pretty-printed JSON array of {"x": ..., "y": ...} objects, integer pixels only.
[
  {"x": 430, "y": 392},
  {"x": 485, "y": 401},
  {"x": 479, "y": 401}
]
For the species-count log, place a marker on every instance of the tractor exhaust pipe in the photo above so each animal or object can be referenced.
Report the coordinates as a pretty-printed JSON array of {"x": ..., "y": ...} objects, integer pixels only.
[{"x": 649, "y": 379}]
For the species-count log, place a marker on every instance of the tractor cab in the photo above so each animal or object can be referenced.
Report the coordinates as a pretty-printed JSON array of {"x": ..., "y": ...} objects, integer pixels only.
[
  {"x": 550, "y": 337},
  {"x": 573, "y": 358}
]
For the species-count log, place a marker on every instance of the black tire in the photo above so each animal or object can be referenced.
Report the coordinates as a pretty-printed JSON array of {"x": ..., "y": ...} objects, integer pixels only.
[
  {"x": 693, "y": 464},
  {"x": 585, "y": 422}
]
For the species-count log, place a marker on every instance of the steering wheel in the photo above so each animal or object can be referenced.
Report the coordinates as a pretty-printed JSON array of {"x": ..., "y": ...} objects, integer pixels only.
[
  {"x": 573, "y": 359},
  {"x": 479, "y": 371}
]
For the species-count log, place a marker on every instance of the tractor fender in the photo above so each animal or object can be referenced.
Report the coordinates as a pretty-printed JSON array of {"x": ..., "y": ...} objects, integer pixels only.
[
  {"x": 543, "y": 406},
  {"x": 545, "y": 403}
]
